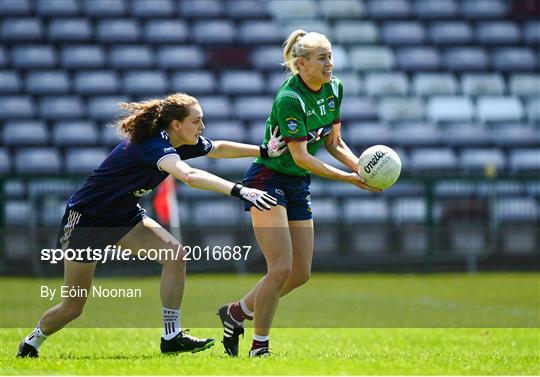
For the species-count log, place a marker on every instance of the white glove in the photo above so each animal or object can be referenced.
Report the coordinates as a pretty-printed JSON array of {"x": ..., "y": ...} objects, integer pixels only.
[
  {"x": 258, "y": 198},
  {"x": 276, "y": 145}
]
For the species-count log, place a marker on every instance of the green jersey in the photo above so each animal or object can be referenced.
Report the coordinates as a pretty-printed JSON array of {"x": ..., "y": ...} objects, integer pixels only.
[{"x": 302, "y": 115}]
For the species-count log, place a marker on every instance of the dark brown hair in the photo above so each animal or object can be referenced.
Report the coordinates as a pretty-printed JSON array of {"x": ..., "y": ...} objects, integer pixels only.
[{"x": 148, "y": 118}]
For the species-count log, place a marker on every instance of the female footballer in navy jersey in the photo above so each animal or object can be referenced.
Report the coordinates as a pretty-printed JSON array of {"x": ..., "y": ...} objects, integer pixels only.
[{"x": 159, "y": 135}]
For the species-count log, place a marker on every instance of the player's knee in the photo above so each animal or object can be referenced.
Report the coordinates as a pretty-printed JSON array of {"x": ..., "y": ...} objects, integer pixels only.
[
  {"x": 301, "y": 278},
  {"x": 72, "y": 310},
  {"x": 280, "y": 273}
]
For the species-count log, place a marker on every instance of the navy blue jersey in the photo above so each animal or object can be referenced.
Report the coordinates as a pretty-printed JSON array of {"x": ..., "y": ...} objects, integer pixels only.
[{"x": 129, "y": 172}]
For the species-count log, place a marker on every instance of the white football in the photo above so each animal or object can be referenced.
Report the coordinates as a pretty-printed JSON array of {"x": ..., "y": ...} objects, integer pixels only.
[{"x": 380, "y": 166}]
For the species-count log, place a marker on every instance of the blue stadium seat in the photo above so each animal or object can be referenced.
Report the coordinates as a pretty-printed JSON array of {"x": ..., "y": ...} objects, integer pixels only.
[
  {"x": 73, "y": 133},
  {"x": 106, "y": 107},
  {"x": 466, "y": 59},
  {"x": 484, "y": 8},
  {"x": 508, "y": 59},
  {"x": 195, "y": 9},
  {"x": 451, "y": 33},
  {"x": 225, "y": 130},
  {"x": 84, "y": 160},
  {"x": 216, "y": 212},
  {"x": 325, "y": 211},
  {"x": 339, "y": 9},
  {"x": 432, "y": 159},
  {"x": 366, "y": 211},
  {"x": 215, "y": 107},
  {"x": 409, "y": 210},
  {"x": 275, "y": 80},
  {"x": 96, "y": 82},
  {"x": 70, "y": 30},
  {"x": 47, "y": 82},
  {"x": 355, "y": 32},
  {"x": 416, "y": 135},
  {"x": 18, "y": 212},
  {"x": 481, "y": 158},
  {"x": 32, "y": 132},
  {"x": 37, "y": 161},
  {"x": 165, "y": 31},
  {"x": 36, "y": 56},
  {"x": 21, "y": 30},
  {"x": 178, "y": 57},
  {"x": 482, "y": 84},
  {"x": 527, "y": 159},
  {"x": 255, "y": 132},
  {"x": 497, "y": 33},
  {"x": 429, "y": 9},
  {"x": 403, "y": 33},
  {"x": 426, "y": 84},
  {"x": 246, "y": 9},
  {"x": 353, "y": 84},
  {"x": 105, "y": 8},
  {"x": 153, "y": 8},
  {"x": 57, "y": 8},
  {"x": 383, "y": 84},
  {"x": 418, "y": 59},
  {"x": 17, "y": 107},
  {"x": 358, "y": 108},
  {"x": 371, "y": 58},
  {"x": 401, "y": 109},
  {"x": 83, "y": 56},
  {"x": 293, "y": 9},
  {"x": 130, "y": 57},
  {"x": 214, "y": 31},
  {"x": 10, "y": 82},
  {"x": 5, "y": 161},
  {"x": 454, "y": 189},
  {"x": 525, "y": 85},
  {"x": 267, "y": 58},
  {"x": 319, "y": 25},
  {"x": 367, "y": 134},
  {"x": 15, "y": 8},
  {"x": 61, "y": 107},
  {"x": 241, "y": 82},
  {"x": 253, "y": 107},
  {"x": 144, "y": 82},
  {"x": 450, "y": 109},
  {"x": 531, "y": 32},
  {"x": 109, "y": 135},
  {"x": 195, "y": 82},
  {"x": 117, "y": 30},
  {"x": 515, "y": 210},
  {"x": 466, "y": 135},
  {"x": 515, "y": 135},
  {"x": 499, "y": 109},
  {"x": 260, "y": 31},
  {"x": 341, "y": 58},
  {"x": 382, "y": 9},
  {"x": 533, "y": 110}
]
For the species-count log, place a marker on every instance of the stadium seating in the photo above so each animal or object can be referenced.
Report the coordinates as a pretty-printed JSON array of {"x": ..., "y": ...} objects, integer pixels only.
[{"x": 47, "y": 82}]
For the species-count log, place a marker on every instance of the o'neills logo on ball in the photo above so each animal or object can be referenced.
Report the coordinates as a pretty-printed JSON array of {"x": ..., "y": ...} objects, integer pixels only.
[{"x": 373, "y": 162}]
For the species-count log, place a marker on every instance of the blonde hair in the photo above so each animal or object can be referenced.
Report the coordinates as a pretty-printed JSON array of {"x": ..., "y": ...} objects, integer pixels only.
[
  {"x": 300, "y": 44},
  {"x": 148, "y": 118}
]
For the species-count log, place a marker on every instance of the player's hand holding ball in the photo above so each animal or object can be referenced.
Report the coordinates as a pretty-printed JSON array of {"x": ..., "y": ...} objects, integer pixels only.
[{"x": 380, "y": 166}]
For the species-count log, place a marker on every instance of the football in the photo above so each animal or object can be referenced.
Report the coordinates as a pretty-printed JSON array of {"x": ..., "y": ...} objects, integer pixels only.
[{"x": 380, "y": 166}]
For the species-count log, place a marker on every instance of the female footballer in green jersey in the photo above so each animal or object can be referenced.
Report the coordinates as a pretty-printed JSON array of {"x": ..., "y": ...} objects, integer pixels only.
[{"x": 307, "y": 111}]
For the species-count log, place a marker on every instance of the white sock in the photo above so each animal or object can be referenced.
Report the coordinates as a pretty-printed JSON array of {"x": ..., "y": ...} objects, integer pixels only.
[
  {"x": 35, "y": 338},
  {"x": 244, "y": 307},
  {"x": 171, "y": 323},
  {"x": 261, "y": 338}
]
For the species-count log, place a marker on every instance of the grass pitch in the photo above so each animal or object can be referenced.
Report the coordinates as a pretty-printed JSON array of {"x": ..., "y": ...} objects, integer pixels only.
[{"x": 326, "y": 348}]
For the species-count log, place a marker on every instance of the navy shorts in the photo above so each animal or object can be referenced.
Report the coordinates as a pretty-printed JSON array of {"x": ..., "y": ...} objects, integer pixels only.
[
  {"x": 291, "y": 191},
  {"x": 80, "y": 230}
]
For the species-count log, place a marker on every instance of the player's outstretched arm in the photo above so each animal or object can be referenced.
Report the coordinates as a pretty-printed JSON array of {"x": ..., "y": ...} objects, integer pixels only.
[
  {"x": 303, "y": 159},
  {"x": 337, "y": 147},
  {"x": 229, "y": 149},
  {"x": 203, "y": 180}
]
